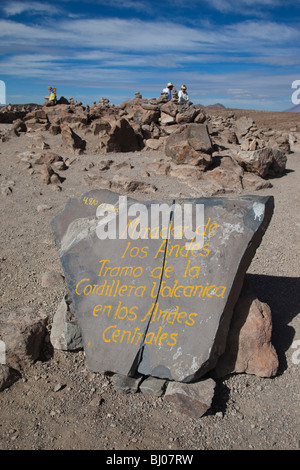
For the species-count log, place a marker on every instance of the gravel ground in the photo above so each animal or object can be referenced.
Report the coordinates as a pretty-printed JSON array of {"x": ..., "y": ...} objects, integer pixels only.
[{"x": 59, "y": 404}]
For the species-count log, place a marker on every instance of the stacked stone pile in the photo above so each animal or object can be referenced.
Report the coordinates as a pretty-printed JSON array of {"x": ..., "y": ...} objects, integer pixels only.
[
  {"x": 11, "y": 112},
  {"x": 212, "y": 154},
  {"x": 148, "y": 124},
  {"x": 140, "y": 123}
]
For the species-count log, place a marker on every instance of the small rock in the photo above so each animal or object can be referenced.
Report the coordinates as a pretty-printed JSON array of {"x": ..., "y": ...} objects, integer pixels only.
[
  {"x": 193, "y": 399},
  {"x": 6, "y": 190},
  {"x": 55, "y": 179},
  {"x": 59, "y": 166},
  {"x": 65, "y": 331},
  {"x": 58, "y": 387},
  {"x": 46, "y": 173},
  {"x": 51, "y": 279},
  {"x": 43, "y": 208},
  {"x": 153, "y": 386},
  {"x": 96, "y": 401},
  {"x": 125, "y": 383}
]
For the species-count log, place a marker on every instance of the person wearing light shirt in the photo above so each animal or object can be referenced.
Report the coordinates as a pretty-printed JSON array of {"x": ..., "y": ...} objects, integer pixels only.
[
  {"x": 168, "y": 90},
  {"x": 183, "y": 96}
]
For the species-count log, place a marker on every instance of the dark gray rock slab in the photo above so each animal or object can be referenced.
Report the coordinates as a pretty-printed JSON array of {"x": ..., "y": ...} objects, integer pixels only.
[
  {"x": 195, "y": 304},
  {"x": 153, "y": 386},
  {"x": 153, "y": 306},
  {"x": 109, "y": 282},
  {"x": 125, "y": 384}
]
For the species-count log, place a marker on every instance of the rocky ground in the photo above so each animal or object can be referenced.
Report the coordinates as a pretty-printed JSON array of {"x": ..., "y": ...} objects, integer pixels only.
[{"x": 57, "y": 403}]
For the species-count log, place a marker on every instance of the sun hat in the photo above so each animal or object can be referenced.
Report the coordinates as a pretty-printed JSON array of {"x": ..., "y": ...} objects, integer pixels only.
[
  {"x": 183, "y": 87},
  {"x": 169, "y": 84}
]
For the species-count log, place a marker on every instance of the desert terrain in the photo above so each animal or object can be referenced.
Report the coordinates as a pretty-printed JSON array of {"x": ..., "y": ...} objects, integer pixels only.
[{"x": 57, "y": 403}]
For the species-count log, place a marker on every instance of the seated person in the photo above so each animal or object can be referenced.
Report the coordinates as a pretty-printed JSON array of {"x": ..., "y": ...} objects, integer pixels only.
[
  {"x": 51, "y": 98},
  {"x": 168, "y": 90},
  {"x": 183, "y": 96}
]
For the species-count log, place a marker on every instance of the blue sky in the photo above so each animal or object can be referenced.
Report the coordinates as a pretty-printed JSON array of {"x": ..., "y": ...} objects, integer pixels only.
[{"x": 243, "y": 54}]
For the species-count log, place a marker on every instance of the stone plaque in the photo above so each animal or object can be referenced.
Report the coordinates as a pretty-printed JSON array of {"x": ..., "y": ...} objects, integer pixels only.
[{"x": 152, "y": 295}]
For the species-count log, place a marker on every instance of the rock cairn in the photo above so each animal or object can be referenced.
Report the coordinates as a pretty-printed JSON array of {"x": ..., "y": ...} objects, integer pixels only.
[{"x": 213, "y": 154}]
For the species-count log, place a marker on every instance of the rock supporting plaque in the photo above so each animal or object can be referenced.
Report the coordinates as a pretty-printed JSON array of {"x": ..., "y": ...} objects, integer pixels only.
[{"x": 155, "y": 295}]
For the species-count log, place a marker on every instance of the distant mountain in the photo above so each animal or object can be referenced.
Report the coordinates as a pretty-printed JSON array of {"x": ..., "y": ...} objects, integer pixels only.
[
  {"x": 294, "y": 109},
  {"x": 217, "y": 105}
]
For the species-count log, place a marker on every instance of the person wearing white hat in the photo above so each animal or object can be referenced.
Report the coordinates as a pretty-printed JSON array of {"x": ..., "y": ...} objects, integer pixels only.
[
  {"x": 168, "y": 90},
  {"x": 183, "y": 96}
]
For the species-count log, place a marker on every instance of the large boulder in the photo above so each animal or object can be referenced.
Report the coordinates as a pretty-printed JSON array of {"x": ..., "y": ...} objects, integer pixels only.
[
  {"x": 281, "y": 141},
  {"x": 17, "y": 127},
  {"x": 263, "y": 162},
  {"x": 143, "y": 116},
  {"x": 249, "y": 348},
  {"x": 190, "y": 144},
  {"x": 243, "y": 125},
  {"x": 122, "y": 138},
  {"x": 65, "y": 331},
  {"x": 23, "y": 336},
  {"x": 166, "y": 312},
  {"x": 166, "y": 119},
  {"x": 71, "y": 140},
  {"x": 12, "y": 112},
  {"x": 187, "y": 115},
  {"x": 226, "y": 174},
  {"x": 54, "y": 113},
  {"x": 169, "y": 108}
]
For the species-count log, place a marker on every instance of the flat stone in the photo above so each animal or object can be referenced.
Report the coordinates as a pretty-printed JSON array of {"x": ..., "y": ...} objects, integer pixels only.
[
  {"x": 43, "y": 208},
  {"x": 167, "y": 119},
  {"x": 153, "y": 386},
  {"x": 192, "y": 399},
  {"x": 125, "y": 384}
]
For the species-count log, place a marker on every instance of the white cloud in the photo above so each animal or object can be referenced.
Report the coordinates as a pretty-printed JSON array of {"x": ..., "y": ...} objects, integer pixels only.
[
  {"x": 143, "y": 55},
  {"x": 17, "y": 7},
  {"x": 245, "y": 7},
  {"x": 124, "y": 35}
]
